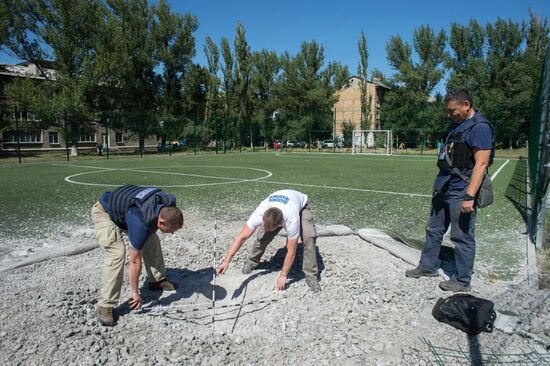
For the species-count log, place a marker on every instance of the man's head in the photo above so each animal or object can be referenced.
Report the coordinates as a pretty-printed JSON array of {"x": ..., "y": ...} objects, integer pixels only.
[
  {"x": 459, "y": 104},
  {"x": 272, "y": 219},
  {"x": 170, "y": 220}
]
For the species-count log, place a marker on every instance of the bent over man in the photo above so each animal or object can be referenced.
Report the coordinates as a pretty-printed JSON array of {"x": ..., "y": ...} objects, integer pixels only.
[
  {"x": 463, "y": 161},
  {"x": 139, "y": 212},
  {"x": 286, "y": 209}
]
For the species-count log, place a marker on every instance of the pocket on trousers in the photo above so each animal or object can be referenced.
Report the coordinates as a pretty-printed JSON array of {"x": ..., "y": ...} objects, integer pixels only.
[
  {"x": 309, "y": 228},
  {"x": 107, "y": 235}
]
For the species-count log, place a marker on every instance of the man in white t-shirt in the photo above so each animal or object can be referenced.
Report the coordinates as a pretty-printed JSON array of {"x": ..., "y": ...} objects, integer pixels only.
[{"x": 286, "y": 209}]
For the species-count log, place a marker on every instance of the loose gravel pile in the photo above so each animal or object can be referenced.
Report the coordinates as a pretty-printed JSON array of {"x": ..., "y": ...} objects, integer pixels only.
[{"x": 368, "y": 313}]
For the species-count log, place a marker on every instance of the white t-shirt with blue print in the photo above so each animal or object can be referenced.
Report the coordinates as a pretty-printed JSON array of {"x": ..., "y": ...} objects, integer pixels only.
[{"x": 290, "y": 203}]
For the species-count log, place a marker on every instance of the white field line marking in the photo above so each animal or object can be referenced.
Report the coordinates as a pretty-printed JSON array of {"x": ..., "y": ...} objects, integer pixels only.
[
  {"x": 348, "y": 189},
  {"x": 141, "y": 170},
  {"x": 499, "y": 169},
  {"x": 235, "y": 180},
  {"x": 317, "y": 155},
  {"x": 232, "y": 180},
  {"x": 84, "y": 166}
]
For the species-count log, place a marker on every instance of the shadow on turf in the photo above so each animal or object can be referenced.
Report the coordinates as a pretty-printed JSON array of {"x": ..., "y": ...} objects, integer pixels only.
[
  {"x": 275, "y": 263},
  {"x": 516, "y": 190}
]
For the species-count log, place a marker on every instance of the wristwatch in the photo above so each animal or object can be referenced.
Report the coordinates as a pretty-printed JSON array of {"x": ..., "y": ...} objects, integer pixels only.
[{"x": 468, "y": 197}]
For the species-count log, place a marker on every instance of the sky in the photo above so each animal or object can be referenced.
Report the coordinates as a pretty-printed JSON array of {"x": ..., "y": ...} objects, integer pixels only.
[{"x": 283, "y": 25}]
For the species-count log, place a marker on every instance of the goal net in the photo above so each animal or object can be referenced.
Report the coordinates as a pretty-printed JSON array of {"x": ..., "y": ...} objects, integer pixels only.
[{"x": 372, "y": 142}]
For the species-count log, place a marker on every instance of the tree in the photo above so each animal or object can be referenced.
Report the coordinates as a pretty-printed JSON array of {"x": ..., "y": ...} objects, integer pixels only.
[
  {"x": 228, "y": 90},
  {"x": 362, "y": 71},
  {"x": 65, "y": 32},
  {"x": 173, "y": 37},
  {"x": 407, "y": 107},
  {"x": 243, "y": 69},
  {"x": 304, "y": 93},
  {"x": 194, "y": 98},
  {"x": 467, "y": 64},
  {"x": 265, "y": 69},
  {"x": 212, "y": 58}
]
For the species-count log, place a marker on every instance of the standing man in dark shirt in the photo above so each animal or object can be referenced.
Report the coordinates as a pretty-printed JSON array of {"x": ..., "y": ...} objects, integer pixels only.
[
  {"x": 463, "y": 161},
  {"x": 139, "y": 212}
]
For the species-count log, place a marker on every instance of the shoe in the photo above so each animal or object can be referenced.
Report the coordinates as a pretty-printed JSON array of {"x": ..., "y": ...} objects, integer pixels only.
[
  {"x": 419, "y": 272},
  {"x": 454, "y": 286},
  {"x": 313, "y": 284},
  {"x": 105, "y": 315},
  {"x": 247, "y": 268},
  {"x": 162, "y": 285}
]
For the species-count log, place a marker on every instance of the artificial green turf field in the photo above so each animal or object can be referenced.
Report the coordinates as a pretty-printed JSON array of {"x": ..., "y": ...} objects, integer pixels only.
[{"x": 384, "y": 192}]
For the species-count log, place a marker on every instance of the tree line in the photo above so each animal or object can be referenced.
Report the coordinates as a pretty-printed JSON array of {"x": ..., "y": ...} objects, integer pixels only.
[
  {"x": 129, "y": 65},
  {"x": 499, "y": 64}
]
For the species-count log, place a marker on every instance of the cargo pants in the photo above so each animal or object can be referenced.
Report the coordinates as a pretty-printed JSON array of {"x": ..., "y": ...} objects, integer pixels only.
[
  {"x": 308, "y": 233},
  {"x": 109, "y": 237}
]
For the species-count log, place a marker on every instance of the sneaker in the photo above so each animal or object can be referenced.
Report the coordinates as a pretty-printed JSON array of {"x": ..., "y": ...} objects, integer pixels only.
[
  {"x": 247, "y": 268},
  {"x": 162, "y": 285},
  {"x": 454, "y": 286},
  {"x": 419, "y": 272},
  {"x": 313, "y": 284},
  {"x": 105, "y": 315}
]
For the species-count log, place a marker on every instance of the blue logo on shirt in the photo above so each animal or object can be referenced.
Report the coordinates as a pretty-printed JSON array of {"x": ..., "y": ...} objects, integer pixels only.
[
  {"x": 278, "y": 198},
  {"x": 144, "y": 193}
]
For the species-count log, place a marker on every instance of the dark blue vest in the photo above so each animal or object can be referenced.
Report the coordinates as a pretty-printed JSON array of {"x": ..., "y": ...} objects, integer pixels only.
[
  {"x": 456, "y": 153},
  {"x": 146, "y": 199}
]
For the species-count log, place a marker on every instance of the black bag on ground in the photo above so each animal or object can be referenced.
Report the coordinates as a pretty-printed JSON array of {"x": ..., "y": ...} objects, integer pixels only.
[{"x": 468, "y": 313}]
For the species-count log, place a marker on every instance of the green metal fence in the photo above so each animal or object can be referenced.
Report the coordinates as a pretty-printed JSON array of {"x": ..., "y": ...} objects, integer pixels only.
[{"x": 539, "y": 157}]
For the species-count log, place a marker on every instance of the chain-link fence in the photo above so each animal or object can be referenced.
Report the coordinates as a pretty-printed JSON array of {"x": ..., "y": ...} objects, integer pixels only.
[{"x": 539, "y": 157}]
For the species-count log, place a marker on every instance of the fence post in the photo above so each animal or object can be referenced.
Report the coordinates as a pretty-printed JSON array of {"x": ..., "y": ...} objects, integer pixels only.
[
  {"x": 224, "y": 134},
  {"x": 67, "y": 138},
  {"x": 217, "y": 134},
  {"x": 240, "y": 135},
  {"x": 106, "y": 135},
  {"x": 17, "y": 136},
  {"x": 309, "y": 132},
  {"x": 195, "y": 137}
]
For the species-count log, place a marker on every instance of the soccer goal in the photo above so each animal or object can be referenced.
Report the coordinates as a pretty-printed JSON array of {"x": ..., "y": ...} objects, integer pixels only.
[{"x": 372, "y": 142}]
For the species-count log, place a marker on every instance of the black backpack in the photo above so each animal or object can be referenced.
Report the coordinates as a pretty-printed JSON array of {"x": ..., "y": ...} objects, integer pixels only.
[{"x": 468, "y": 313}]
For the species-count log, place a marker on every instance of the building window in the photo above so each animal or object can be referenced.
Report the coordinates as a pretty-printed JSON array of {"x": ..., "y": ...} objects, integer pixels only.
[
  {"x": 118, "y": 138},
  {"x": 24, "y": 137},
  {"x": 87, "y": 137},
  {"x": 53, "y": 138}
]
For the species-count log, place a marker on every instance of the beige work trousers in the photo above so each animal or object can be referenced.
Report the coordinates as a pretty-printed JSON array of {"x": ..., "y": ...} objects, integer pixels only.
[
  {"x": 109, "y": 237},
  {"x": 308, "y": 233}
]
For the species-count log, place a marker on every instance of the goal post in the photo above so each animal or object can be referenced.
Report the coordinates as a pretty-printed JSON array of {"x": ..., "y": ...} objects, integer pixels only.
[{"x": 372, "y": 142}]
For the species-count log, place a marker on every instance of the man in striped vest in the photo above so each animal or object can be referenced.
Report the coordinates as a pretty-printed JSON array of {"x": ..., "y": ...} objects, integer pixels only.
[{"x": 138, "y": 212}]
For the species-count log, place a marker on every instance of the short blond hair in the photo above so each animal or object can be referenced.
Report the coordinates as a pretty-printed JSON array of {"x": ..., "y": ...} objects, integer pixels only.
[
  {"x": 172, "y": 216},
  {"x": 273, "y": 217}
]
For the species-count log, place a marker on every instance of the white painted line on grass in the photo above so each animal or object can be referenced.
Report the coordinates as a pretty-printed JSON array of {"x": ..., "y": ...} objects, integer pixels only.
[
  {"x": 328, "y": 155},
  {"x": 499, "y": 169},
  {"x": 69, "y": 178},
  {"x": 349, "y": 189},
  {"x": 84, "y": 166}
]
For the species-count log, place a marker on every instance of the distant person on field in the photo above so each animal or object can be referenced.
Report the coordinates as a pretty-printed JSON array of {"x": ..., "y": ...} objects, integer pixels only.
[
  {"x": 469, "y": 148},
  {"x": 99, "y": 149},
  {"x": 286, "y": 209},
  {"x": 138, "y": 212}
]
